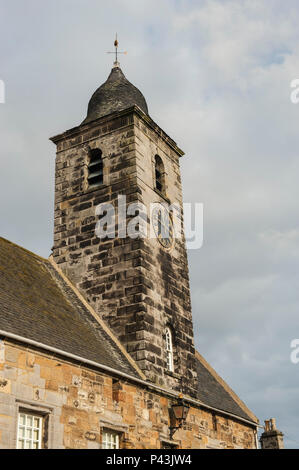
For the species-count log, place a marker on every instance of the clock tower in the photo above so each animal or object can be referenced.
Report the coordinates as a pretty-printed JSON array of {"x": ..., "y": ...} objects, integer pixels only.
[{"x": 138, "y": 284}]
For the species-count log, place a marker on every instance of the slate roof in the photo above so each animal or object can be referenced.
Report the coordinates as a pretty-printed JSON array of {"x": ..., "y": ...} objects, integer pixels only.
[
  {"x": 116, "y": 94},
  {"x": 37, "y": 304},
  {"x": 214, "y": 392}
]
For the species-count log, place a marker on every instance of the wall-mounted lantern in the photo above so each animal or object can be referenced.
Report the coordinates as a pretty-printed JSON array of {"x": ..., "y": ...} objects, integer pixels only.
[{"x": 179, "y": 414}]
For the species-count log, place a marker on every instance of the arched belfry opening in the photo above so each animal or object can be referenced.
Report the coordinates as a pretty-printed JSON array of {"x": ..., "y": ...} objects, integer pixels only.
[{"x": 159, "y": 175}]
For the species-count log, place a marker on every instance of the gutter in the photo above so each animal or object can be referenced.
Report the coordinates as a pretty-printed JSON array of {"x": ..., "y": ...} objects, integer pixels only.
[{"x": 82, "y": 360}]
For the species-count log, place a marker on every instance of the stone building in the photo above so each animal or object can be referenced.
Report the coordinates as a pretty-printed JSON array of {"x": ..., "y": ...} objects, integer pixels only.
[{"x": 97, "y": 343}]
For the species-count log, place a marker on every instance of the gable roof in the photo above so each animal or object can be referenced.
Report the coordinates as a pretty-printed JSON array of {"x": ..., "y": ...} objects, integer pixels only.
[
  {"x": 38, "y": 304},
  {"x": 213, "y": 391}
]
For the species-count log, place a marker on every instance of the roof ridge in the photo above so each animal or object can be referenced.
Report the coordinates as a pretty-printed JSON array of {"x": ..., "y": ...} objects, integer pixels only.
[
  {"x": 226, "y": 387},
  {"x": 99, "y": 320},
  {"x": 40, "y": 258}
]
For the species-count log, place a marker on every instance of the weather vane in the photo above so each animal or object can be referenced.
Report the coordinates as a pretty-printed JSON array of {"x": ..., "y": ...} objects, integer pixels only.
[{"x": 116, "y": 52}]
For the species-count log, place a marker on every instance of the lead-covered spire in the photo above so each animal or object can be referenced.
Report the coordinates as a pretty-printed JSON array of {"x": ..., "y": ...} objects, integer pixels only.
[{"x": 116, "y": 94}]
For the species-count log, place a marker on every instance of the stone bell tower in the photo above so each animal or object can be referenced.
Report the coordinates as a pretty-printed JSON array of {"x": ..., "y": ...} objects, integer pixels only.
[{"x": 140, "y": 286}]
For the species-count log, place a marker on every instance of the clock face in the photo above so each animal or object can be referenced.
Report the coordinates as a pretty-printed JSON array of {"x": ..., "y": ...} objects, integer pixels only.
[{"x": 163, "y": 226}]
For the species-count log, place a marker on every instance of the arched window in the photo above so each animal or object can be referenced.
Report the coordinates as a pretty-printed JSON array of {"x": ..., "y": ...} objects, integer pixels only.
[
  {"x": 95, "y": 168},
  {"x": 169, "y": 349},
  {"x": 159, "y": 174}
]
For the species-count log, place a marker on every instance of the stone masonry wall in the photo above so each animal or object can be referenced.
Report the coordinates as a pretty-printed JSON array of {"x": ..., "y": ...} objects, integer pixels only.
[{"x": 81, "y": 402}]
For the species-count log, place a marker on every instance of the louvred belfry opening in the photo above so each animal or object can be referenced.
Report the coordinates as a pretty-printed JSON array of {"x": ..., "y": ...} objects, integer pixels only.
[{"x": 95, "y": 168}]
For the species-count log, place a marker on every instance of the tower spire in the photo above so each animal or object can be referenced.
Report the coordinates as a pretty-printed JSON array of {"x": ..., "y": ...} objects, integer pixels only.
[{"x": 116, "y": 52}]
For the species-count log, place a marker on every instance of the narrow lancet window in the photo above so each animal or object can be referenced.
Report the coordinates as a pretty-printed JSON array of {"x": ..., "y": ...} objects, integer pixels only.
[{"x": 169, "y": 349}]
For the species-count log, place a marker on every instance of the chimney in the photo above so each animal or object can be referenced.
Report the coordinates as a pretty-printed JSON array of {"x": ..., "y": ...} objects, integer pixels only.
[{"x": 271, "y": 437}]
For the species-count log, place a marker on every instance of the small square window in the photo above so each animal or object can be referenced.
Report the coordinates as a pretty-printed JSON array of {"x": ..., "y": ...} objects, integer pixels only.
[
  {"x": 110, "y": 440},
  {"x": 30, "y": 429}
]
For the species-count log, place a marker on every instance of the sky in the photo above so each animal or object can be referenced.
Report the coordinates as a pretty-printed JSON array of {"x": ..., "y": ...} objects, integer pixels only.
[{"x": 216, "y": 75}]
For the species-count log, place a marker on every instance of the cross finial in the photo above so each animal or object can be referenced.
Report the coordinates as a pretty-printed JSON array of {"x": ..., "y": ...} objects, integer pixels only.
[{"x": 116, "y": 52}]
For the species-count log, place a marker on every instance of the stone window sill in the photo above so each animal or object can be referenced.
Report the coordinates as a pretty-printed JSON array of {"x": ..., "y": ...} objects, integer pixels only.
[{"x": 172, "y": 374}]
